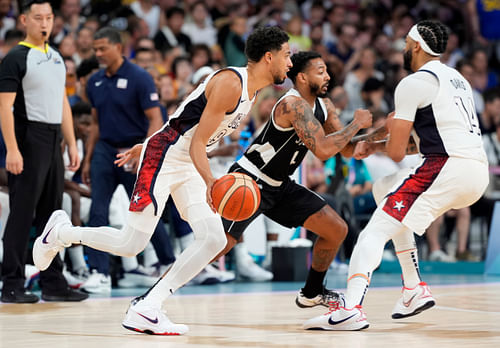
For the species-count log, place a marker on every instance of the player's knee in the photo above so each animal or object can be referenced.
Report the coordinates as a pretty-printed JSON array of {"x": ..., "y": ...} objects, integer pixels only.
[
  {"x": 133, "y": 241},
  {"x": 216, "y": 241}
]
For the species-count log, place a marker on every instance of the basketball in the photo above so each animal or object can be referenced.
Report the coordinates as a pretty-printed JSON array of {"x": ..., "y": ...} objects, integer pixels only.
[{"x": 236, "y": 196}]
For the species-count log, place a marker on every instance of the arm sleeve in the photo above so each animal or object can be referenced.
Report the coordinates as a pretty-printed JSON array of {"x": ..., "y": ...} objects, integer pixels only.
[
  {"x": 12, "y": 70},
  {"x": 413, "y": 92},
  {"x": 147, "y": 93}
]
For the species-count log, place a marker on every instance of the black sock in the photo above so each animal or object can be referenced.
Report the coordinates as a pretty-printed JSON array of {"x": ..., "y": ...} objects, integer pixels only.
[{"x": 314, "y": 283}]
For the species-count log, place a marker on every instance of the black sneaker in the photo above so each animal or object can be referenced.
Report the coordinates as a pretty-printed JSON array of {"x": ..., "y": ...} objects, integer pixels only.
[
  {"x": 68, "y": 295},
  {"x": 322, "y": 299},
  {"x": 19, "y": 296}
]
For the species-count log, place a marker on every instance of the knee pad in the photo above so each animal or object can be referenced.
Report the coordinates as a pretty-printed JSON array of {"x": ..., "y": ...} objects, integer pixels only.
[
  {"x": 207, "y": 226},
  {"x": 132, "y": 241}
]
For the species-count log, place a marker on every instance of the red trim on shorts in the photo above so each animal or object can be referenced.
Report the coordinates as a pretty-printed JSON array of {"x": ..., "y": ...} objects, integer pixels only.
[
  {"x": 156, "y": 149},
  {"x": 400, "y": 201}
]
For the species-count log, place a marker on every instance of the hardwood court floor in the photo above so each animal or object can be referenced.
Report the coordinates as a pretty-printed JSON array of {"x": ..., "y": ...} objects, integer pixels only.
[{"x": 465, "y": 316}]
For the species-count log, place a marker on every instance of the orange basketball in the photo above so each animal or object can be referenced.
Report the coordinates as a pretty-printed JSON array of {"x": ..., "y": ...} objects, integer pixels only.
[{"x": 236, "y": 196}]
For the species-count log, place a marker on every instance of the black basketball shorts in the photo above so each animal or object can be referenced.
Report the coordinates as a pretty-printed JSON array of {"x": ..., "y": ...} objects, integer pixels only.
[{"x": 289, "y": 204}]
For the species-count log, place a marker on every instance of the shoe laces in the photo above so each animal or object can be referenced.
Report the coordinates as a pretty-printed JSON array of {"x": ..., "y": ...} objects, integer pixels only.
[{"x": 333, "y": 306}]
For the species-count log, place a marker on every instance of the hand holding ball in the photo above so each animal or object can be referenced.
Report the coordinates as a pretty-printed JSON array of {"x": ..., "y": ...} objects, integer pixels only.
[{"x": 235, "y": 196}]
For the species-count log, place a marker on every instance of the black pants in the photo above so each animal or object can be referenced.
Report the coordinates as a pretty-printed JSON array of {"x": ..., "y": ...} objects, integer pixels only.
[{"x": 33, "y": 196}]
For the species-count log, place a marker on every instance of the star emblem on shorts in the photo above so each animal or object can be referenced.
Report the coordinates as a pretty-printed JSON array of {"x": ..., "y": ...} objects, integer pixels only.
[
  {"x": 399, "y": 205},
  {"x": 136, "y": 198}
]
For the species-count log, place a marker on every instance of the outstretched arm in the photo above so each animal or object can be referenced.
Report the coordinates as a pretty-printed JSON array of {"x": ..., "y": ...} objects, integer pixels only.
[{"x": 311, "y": 132}]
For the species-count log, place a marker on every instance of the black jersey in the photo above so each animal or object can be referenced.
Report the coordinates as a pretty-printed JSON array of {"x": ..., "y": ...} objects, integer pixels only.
[{"x": 276, "y": 152}]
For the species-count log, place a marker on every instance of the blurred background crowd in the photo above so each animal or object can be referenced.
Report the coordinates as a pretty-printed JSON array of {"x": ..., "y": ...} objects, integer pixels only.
[{"x": 180, "y": 42}]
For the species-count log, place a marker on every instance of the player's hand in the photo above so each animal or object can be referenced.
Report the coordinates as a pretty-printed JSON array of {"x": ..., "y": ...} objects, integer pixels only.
[
  {"x": 362, "y": 150},
  {"x": 74, "y": 158},
  {"x": 131, "y": 155},
  {"x": 363, "y": 117},
  {"x": 210, "y": 185},
  {"x": 14, "y": 162}
]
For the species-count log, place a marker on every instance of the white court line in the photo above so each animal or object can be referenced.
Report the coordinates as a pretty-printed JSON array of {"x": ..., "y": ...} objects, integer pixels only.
[{"x": 454, "y": 309}]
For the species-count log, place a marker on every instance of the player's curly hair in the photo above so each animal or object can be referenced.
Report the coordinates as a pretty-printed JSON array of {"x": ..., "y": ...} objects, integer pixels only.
[
  {"x": 264, "y": 39},
  {"x": 300, "y": 61},
  {"x": 434, "y": 33}
]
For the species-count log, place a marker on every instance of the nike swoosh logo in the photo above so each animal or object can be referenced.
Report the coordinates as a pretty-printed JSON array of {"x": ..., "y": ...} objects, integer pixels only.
[
  {"x": 407, "y": 303},
  {"x": 154, "y": 321},
  {"x": 44, "y": 240},
  {"x": 98, "y": 83},
  {"x": 331, "y": 322}
]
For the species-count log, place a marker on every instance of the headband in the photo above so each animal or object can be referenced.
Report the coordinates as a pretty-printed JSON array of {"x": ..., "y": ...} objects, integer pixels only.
[{"x": 415, "y": 36}]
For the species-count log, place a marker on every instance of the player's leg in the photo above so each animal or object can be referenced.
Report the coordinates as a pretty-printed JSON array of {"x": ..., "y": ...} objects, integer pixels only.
[
  {"x": 209, "y": 239},
  {"x": 295, "y": 205}
]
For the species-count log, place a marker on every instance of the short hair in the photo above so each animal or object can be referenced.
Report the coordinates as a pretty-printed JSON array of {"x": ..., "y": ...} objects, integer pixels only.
[
  {"x": 491, "y": 94},
  {"x": 13, "y": 35},
  {"x": 81, "y": 108},
  {"x": 86, "y": 66},
  {"x": 169, "y": 13},
  {"x": 264, "y": 39},
  {"x": 112, "y": 34},
  {"x": 435, "y": 35},
  {"x": 300, "y": 63},
  {"x": 26, "y": 4},
  {"x": 372, "y": 84}
]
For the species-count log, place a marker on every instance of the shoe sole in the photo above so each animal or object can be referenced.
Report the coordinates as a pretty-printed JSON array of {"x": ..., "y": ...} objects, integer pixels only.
[
  {"x": 149, "y": 332},
  {"x": 331, "y": 329},
  {"x": 420, "y": 309},
  {"x": 297, "y": 302}
]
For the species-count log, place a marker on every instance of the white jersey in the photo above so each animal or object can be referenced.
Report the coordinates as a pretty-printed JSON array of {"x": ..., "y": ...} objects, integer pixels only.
[
  {"x": 439, "y": 102},
  {"x": 187, "y": 117}
]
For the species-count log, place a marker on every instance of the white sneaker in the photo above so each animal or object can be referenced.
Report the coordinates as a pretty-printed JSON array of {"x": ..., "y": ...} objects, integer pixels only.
[
  {"x": 339, "y": 319},
  {"x": 413, "y": 301},
  {"x": 97, "y": 283},
  {"x": 207, "y": 276},
  {"x": 222, "y": 276},
  {"x": 139, "y": 277},
  {"x": 76, "y": 279},
  {"x": 324, "y": 299},
  {"x": 32, "y": 274},
  {"x": 47, "y": 245},
  {"x": 249, "y": 270},
  {"x": 441, "y": 256},
  {"x": 151, "y": 321}
]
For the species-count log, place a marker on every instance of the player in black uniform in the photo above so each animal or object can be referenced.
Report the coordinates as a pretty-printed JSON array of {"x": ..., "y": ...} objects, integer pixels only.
[{"x": 303, "y": 119}]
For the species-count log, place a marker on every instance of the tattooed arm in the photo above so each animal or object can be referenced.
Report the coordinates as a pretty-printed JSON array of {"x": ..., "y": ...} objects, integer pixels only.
[
  {"x": 299, "y": 114},
  {"x": 365, "y": 148}
]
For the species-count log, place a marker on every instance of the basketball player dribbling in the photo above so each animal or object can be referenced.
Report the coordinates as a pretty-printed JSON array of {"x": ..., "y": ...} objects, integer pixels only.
[
  {"x": 435, "y": 105},
  {"x": 174, "y": 162},
  {"x": 303, "y": 120}
]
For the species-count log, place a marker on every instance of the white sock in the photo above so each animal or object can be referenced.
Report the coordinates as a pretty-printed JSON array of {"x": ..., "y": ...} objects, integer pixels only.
[
  {"x": 77, "y": 257},
  {"x": 406, "y": 250},
  {"x": 129, "y": 263},
  {"x": 150, "y": 257},
  {"x": 367, "y": 255}
]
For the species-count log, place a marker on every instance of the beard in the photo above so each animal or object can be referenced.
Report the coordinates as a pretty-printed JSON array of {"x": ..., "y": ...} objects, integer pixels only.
[
  {"x": 278, "y": 80},
  {"x": 317, "y": 90},
  {"x": 407, "y": 60}
]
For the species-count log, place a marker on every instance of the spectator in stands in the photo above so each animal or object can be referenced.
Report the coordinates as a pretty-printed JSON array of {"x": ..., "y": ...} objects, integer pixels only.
[{"x": 170, "y": 35}]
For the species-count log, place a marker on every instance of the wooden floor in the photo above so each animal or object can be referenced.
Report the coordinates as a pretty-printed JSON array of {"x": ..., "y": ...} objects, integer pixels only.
[{"x": 465, "y": 316}]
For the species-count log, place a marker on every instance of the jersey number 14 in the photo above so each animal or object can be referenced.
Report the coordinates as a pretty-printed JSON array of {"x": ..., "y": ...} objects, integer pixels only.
[{"x": 469, "y": 114}]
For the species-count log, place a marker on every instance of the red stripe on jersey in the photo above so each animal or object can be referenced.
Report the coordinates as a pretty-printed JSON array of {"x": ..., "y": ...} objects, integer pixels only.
[
  {"x": 400, "y": 201},
  {"x": 151, "y": 163}
]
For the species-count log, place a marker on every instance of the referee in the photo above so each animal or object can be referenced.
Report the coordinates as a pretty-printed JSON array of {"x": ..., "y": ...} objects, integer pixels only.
[{"x": 35, "y": 115}]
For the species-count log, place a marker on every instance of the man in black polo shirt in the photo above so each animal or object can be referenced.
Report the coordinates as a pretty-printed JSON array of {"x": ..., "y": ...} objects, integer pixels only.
[{"x": 32, "y": 78}]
